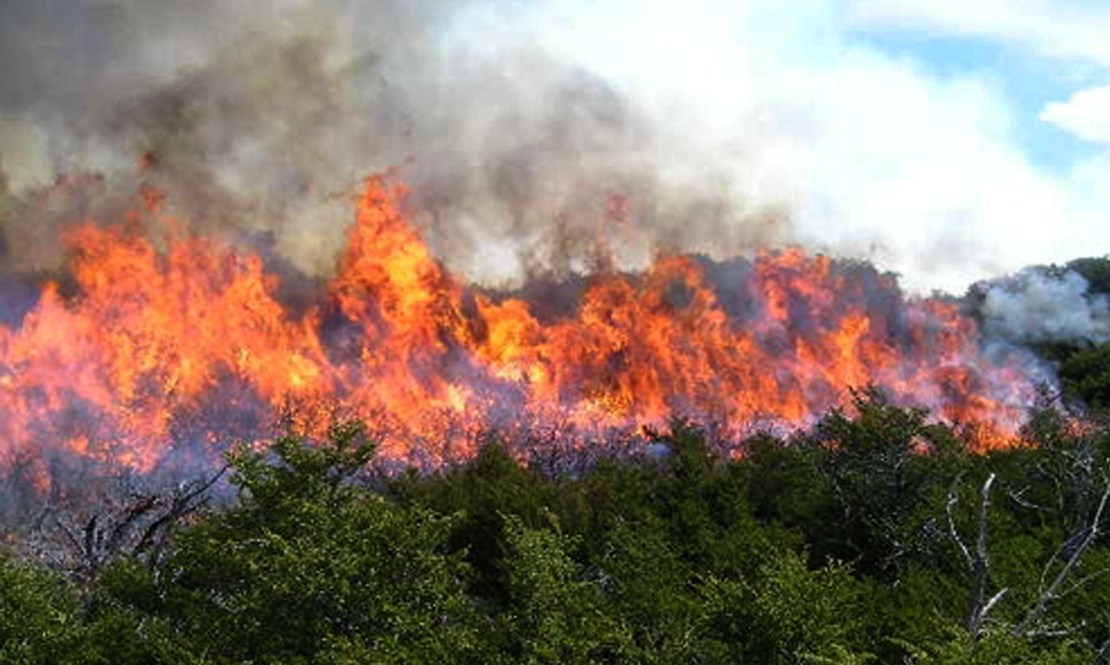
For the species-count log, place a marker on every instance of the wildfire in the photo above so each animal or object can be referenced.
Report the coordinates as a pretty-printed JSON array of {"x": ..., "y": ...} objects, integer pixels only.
[{"x": 187, "y": 340}]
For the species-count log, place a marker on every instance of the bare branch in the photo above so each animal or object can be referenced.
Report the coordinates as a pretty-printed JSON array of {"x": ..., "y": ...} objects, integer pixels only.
[
  {"x": 1017, "y": 498},
  {"x": 953, "y": 498},
  {"x": 992, "y": 602},
  {"x": 1103, "y": 654},
  {"x": 67, "y": 531},
  {"x": 185, "y": 501},
  {"x": 1084, "y": 581},
  {"x": 979, "y": 565},
  {"x": 984, "y": 507},
  {"x": 128, "y": 524},
  {"x": 1052, "y": 592}
]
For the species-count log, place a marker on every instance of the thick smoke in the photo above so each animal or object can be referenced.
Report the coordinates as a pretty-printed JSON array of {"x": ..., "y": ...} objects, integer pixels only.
[
  {"x": 1036, "y": 306},
  {"x": 257, "y": 122}
]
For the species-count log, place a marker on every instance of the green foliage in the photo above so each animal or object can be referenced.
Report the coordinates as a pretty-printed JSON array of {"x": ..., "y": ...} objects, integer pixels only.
[
  {"x": 886, "y": 470},
  {"x": 645, "y": 581},
  {"x": 554, "y": 615},
  {"x": 479, "y": 496},
  {"x": 42, "y": 621},
  {"x": 840, "y": 546},
  {"x": 999, "y": 648},
  {"x": 1085, "y": 375},
  {"x": 313, "y": 567},
  {"x": 1096, "y": 271},
  {"x": 788, "y": 613},
  {"x": 38, "y": 613}
]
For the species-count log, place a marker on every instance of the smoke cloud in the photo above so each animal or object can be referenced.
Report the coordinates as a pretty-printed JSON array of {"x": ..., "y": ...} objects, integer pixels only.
[
  {"x": 1036, "y": 306},
  {"x": 257, "y": 123}
]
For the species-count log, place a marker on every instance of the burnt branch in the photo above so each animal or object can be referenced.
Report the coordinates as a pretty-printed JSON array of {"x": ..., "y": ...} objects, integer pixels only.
[
  {"x": 140, "y": 526},
  {"x": 184, "y": 501}
]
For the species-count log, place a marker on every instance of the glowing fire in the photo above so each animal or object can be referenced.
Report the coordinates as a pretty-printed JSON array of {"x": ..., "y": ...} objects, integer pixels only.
[{"x": 154, "y": 345}]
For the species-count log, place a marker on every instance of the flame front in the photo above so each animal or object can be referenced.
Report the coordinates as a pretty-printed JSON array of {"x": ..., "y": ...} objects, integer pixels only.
[{"x": 154, "y": 346}]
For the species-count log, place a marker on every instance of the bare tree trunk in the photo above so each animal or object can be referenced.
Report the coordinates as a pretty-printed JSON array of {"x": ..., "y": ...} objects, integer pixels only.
[{"x": 977, "y": 562}]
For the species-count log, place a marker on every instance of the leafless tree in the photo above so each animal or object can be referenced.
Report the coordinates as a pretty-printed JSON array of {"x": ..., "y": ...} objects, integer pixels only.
[
  {"x": 1060, "y": 575},
  {"x": 976, "y": 560},
  {"x": 137, "y": 525},
  {"x": 1069, "y": 553}
]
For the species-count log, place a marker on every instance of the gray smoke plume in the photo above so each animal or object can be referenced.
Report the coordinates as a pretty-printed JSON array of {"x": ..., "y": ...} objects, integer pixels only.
[
  {"x": 1036, "y": 306},
  {"x": 257, "y": 121}
]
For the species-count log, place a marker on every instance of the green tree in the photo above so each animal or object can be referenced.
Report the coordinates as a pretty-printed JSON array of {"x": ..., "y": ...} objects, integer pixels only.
[
  {"x": 1085, "y": 375},
  {"x": 38, "y": 615},
  {"x": 554, "y": 614},
  {"x": 312, "y": 566},
  {"x": 888, "y": 469},
  {"x": 788, "y": 614}
]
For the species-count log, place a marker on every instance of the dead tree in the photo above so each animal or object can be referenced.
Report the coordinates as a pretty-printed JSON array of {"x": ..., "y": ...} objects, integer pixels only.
[
  {"x": 1062, "y": 568},
  {"x": 1070, "y": 553},
  {"x": 977, "y": 561},
  {"x": 139, "y": 526}
]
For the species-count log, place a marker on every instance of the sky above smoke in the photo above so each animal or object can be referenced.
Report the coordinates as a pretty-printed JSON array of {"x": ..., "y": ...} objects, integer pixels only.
[{"x": 947, "y": 141}]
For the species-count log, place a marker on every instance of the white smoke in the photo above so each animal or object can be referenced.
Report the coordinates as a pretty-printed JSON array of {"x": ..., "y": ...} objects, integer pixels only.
[{"x": 1036, "y": 306}]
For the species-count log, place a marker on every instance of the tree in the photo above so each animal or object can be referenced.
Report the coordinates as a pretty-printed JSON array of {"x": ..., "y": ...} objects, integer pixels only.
[
  {"x": 885, "y": 467},
  {"x": 38, "y": 614},
  {"x": 788, "y": 614},
  {"x": 555, "y": 616},
  {"x": 1064, "y": 485},
  {"x": 313, "y": 565}
]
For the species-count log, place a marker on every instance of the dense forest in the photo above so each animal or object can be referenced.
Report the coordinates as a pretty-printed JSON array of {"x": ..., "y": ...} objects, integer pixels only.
[
  {"x": 874, "y": 538},
  {"x": 877, "y": 536}
]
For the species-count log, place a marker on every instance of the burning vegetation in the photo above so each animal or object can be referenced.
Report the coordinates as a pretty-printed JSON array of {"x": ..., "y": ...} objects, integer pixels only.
[
  {"x": 158, "y": 341},
  {"x": 561, "y": 388}
]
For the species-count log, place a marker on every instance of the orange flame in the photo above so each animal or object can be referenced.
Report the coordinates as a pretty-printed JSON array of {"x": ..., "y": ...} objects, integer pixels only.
[{"x": 152, "y": 346}]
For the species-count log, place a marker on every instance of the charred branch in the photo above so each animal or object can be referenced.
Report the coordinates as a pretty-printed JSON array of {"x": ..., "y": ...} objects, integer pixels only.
[{"x": 139, "y": 527}]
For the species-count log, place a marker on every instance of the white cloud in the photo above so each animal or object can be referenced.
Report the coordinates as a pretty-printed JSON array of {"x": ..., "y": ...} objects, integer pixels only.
[
  {"x": 1086, "y": 114},
  {"x": 872, "y": 155}
]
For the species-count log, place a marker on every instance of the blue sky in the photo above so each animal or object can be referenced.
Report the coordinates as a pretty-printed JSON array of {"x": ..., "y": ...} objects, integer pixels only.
[
  {"x": 1029, "y": 82},
  {"x": 947, "y": 140}
]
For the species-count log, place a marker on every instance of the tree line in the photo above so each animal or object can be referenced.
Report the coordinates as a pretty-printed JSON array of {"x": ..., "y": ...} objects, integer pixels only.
[{"x": 876, "y": 537}]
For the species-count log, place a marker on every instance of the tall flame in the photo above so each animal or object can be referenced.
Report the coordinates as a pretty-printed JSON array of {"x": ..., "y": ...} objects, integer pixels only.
[{"x": 186, "y": 339}]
